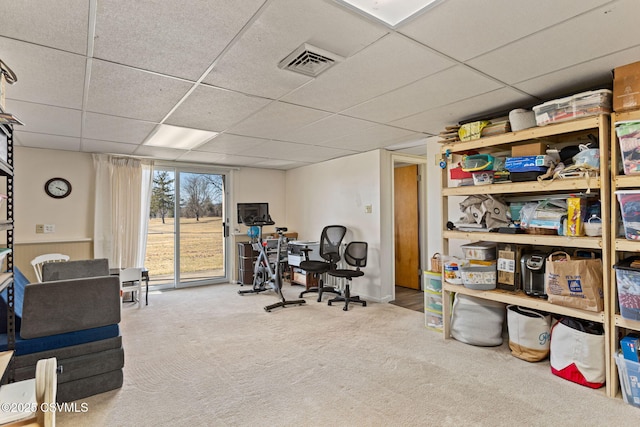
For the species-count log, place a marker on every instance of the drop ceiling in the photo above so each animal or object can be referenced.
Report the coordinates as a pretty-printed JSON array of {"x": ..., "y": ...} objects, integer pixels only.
[{"x": 101, "y": 76}]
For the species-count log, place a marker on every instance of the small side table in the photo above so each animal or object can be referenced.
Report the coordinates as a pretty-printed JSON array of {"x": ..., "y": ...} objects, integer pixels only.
[{"x": 145, "y": 278}]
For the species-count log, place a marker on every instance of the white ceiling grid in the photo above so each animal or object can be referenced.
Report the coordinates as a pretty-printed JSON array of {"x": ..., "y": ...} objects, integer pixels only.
[{"x": 213, "y": 65}]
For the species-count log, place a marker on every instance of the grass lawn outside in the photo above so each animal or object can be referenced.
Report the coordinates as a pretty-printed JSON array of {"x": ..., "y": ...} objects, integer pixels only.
[{"x": 201, "y": 248}]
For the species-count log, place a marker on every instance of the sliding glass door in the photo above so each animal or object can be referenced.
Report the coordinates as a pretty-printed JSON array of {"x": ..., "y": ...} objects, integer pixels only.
[{"x": 187, "y": 240}]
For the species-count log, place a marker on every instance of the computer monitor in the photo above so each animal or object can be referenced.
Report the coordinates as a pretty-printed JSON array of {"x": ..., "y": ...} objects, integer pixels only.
[{"x": 249, "y": 213}]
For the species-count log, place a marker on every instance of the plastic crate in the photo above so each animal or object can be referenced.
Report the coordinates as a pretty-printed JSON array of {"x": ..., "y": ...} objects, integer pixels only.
[
  {"x": 629, "y": 139},
  {"x": 629, "y": 373},
  {"x": 432, "y": 281},
  {"x": 583, "y": 104},
  {"x": 628, "y": 282},
  {"x": 433, "y": 320},
  {"x": 630, "y": 210},
  {"x": 433, "y": 301}
]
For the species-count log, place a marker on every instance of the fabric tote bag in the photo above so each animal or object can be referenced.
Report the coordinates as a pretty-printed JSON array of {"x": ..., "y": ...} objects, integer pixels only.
[
  {"x": 529, "y": 333},
  {"x": 577, "y": 352}
]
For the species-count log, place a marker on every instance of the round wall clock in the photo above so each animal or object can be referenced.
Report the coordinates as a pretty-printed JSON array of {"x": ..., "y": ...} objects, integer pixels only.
[{"x": 58, "y": 188}]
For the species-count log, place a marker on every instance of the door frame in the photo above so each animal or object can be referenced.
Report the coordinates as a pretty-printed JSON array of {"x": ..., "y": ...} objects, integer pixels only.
[
  {"x": 179, "y": 167},
  {"x": 408, "y": 159}
]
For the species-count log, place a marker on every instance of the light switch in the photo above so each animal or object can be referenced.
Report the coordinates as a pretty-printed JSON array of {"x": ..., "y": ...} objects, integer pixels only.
[{"x": 368, "y": 209}]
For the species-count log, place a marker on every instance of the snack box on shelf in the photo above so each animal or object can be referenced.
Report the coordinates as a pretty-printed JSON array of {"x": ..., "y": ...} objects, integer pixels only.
[{"x": 528, "y": 163}]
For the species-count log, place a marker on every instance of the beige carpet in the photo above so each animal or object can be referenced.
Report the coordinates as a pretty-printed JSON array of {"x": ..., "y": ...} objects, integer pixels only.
[{"x": 209, "y": 357}]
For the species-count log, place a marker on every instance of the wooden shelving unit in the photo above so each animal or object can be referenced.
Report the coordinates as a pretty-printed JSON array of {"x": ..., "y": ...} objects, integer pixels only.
[
  {"x": 554, "y": 133},
  {"x": 620, "y": 246}
]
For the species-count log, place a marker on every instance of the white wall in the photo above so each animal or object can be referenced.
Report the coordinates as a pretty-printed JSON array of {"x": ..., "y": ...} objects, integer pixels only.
[
  {"x": 434, "y": 198},
  {"x": 259, "y": 185},
  {"x": 73, "y": 215},
  {"x": 336, "y": 192}
]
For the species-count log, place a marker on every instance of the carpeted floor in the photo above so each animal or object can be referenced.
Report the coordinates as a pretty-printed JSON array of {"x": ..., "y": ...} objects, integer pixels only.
[{"x": 209, "y": 357}]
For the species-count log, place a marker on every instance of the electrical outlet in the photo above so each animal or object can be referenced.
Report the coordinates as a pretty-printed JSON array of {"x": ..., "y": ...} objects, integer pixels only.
[
  {"x": 39, "y": 228},
  {"x": 49, "y": 228},
  {"x": 368, "y": 209}
]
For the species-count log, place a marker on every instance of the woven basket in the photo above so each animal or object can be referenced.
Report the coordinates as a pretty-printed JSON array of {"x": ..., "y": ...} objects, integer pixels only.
[{"x": 436, "y": 263}]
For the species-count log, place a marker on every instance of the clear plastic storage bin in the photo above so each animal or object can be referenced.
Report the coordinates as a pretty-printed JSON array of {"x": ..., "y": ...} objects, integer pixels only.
[{"x": 583, "y": 104}]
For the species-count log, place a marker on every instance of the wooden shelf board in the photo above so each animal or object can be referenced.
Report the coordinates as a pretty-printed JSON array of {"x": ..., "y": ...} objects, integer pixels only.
[
  {"x": 526, "y": 134},
  {"x": 532, "y": 239},
  {"x": 520, "y": 298},
  {"x": 627, "y": 323},
  {"x": 625, "y": 181},
  {"x": 627, "y": 245},
  {"x": 528, "y": 187}
]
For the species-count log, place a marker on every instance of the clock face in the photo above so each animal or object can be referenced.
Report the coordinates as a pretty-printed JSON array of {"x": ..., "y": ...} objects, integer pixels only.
[{"x": 58, "y": 188}]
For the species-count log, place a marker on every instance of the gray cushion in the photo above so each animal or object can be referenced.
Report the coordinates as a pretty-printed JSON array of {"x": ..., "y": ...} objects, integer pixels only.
[
  {"x": 75, "y": 269},
  {"x": 63, "y": 306}
]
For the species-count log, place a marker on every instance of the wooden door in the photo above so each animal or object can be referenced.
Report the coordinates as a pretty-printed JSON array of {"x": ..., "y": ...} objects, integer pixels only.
[{"x": 406, "y": 226}]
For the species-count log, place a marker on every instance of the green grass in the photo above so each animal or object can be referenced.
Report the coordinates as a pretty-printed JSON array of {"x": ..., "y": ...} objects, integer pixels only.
[{"x": 201, "y": 246}]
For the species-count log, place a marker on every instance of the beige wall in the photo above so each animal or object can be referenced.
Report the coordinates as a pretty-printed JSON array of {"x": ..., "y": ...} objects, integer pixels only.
[
  {"x": 336, "y": 192},
  {"x": 72, "y": 216}
]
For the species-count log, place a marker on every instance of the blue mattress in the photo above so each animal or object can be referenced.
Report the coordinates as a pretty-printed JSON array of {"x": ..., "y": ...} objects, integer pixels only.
[{"x": 52, "y": 342}]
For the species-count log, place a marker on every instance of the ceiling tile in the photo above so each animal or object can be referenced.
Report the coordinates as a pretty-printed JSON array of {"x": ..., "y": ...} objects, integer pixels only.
[
  {"x": 220, "y": 159},
  {"x": 123, "y": 91},
  {"x": 251, "y": 65},
  {"x": 276, "y": 120},
  {"x": 118, "y": 129},
  {"x": 391, "y": 62},
  {"x": 96, "y": 146},
  {"x": 374, "y": 137},
  {"x": 482, "y": 26},
  {"x": 434, "y": 121},
  {"x": 39, "y": 118},
  {"x": 315, "y": 154},
  {"x": 279, "y": 164},
  {"x": 230, "y": 144},
  {"x": 46, "y": 76},
  {"x": 51, "y": 142},
  {"x": 159, "y": 152},
  {"x": 442, "y": 88},
  {"x": 566, "y": 45},
  {"x": 178, "y": 40},
  {"x": 47, "y": 22},
  {"x": 332, "y": 127},
  {"x": 272, "y": 150},
  {"x": 214, "y": 109},
  {"x": 588, "y": 75}
]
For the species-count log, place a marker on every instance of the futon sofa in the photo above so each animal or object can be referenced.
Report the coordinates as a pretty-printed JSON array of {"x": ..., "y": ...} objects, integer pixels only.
[{"x": 74, "y": 318}]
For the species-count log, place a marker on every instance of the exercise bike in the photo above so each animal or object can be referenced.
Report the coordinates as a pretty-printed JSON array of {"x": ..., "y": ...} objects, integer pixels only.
[{"x": 267, "y": 272}]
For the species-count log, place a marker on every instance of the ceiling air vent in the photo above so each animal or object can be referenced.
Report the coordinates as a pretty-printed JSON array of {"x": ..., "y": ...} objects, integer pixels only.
[{"x": 309, "y": 60}]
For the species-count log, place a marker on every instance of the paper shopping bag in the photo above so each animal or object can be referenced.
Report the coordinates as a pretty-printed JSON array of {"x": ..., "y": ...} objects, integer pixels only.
[{"x": 574, "y": 282}]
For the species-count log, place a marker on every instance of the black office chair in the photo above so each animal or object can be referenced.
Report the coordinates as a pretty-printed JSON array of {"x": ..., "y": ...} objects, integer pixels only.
[
  {"x": 330, "y": 241},
  {"x": 356, "y": 256}
]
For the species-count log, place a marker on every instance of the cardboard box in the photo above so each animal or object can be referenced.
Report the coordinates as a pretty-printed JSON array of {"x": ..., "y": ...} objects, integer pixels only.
[
  {"x": 630, "y": 347},
  {"x": 626, "y": 87},
  {"x": 509, "y": 275},
  {"x": 533, "y": 149}
]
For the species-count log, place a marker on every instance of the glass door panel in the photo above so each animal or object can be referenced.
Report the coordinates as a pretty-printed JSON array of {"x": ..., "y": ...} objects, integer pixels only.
[
  {"x": 160, "y": 257},
  {"x": 201, "y": 240}
]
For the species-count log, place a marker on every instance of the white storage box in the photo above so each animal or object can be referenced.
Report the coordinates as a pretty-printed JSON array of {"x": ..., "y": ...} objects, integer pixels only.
[
  {"x": 583, "y": 104},
  {"x": 483, "y": 251}
]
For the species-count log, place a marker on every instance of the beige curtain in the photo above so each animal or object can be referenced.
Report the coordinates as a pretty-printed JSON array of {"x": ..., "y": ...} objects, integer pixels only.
[{"x": 123, "y": 197}]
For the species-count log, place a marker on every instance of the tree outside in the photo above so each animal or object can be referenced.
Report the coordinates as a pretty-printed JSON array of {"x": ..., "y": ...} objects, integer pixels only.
[{"x": 201, "y": 237}]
